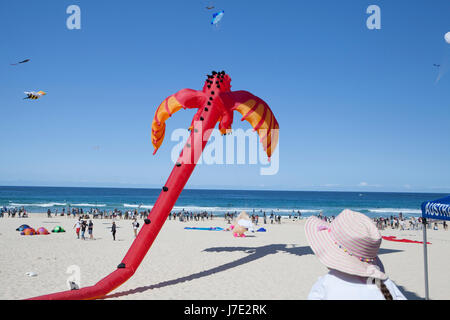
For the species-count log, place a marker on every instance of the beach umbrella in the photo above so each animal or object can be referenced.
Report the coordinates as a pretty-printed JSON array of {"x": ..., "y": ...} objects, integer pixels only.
[{"x": 215, "y": 103}]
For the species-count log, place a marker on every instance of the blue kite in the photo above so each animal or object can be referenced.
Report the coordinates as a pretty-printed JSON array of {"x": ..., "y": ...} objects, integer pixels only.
[{"x": 217, "y": 17}]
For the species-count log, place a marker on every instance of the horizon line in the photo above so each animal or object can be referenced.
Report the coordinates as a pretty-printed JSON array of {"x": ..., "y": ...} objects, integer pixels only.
[{"x": 218, "y": 189}]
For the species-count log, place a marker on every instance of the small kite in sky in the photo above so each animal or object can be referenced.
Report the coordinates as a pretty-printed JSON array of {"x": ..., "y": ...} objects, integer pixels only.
[
  {"x": 436, "y": 65},
  {"x": 217, "y": 17},
  {"x": 209, "y": 8},
  {"x": 24, "y": 61},
  {"x": 34, "y": 95},
  {"x": 447, "y": 37}
]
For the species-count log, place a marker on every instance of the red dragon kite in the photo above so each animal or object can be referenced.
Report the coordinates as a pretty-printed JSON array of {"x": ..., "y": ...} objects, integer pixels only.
[{"x": 215, "y": 103}]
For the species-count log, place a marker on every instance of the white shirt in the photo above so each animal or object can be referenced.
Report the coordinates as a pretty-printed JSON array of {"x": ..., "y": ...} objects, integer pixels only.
[
  {"x": 246, "y": 224},
  {"x": 340, "y": 286}
]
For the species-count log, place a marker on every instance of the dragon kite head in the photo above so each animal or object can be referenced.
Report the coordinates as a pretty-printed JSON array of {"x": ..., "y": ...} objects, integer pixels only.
[{"x": 218, "y": 81}]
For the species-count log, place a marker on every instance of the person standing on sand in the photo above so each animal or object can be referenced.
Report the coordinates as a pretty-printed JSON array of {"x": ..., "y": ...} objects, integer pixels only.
[
  {"x": 77, "y": 227},
  {"x": 83, "y": 229},
  {"x": 135, "y": 227},
  {"x": 113, "y": 230},
  {"x": 91, "y": 229},
  {"x": 349, "y": 247}
]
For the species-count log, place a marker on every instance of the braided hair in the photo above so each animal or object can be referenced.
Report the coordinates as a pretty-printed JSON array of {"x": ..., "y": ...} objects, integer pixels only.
[{"x": 384, "y": 290}]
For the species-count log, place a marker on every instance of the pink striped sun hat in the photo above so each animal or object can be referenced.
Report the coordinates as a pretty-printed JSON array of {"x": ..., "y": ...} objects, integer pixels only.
[{"x": 349, "y": 244}]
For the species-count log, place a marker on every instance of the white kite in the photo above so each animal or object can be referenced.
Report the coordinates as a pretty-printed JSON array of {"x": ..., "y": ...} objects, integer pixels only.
[{"x": 444, "y": 67}]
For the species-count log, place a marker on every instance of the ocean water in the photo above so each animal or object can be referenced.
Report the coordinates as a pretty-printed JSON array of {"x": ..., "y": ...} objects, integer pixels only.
[{"x": 373, "y": 204}]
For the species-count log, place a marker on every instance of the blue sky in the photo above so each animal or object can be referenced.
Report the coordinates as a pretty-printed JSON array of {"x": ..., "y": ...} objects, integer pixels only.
[{"x": 358, "y": 109}]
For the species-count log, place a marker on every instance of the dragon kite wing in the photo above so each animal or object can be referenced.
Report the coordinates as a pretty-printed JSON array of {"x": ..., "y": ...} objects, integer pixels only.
[
  {"x": 186, "y": 99},
  {"x": 258, "y": 114}
]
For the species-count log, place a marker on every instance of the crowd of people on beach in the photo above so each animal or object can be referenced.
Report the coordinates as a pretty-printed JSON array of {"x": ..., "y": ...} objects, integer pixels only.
[
  {"x": 186, "y": 216},
  {"x": 81, "y": 225},
  {"x": 84, "y": 218},
  {"x": 99, "y": 214},
  {"x": 401, "y": 223},
  {"x": 397, "y": 222},
  {"x": 394, "y": 222},
  {"x": 12, "y": 212}
]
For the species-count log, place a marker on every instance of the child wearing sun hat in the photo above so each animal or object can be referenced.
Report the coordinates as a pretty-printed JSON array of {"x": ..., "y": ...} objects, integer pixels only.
[{"x": 348, "y": 247}]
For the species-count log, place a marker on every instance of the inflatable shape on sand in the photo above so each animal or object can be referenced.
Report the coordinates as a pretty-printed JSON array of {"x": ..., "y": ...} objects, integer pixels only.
[
  {"x": 23, "y": 227},
  {"x": 394, "y": 238},
  {"x": 207, "y": 229},
  {"x": 42, "y": 230},
  {"x": 28, "y": 232},
  {"x": 58, "y": 229}
]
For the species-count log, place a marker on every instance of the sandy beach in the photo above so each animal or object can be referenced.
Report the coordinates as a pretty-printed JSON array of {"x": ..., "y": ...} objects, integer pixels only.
[{"x": 194, "y": 264}]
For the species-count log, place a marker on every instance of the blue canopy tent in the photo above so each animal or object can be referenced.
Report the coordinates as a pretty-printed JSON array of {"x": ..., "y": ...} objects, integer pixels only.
[{"x": 436, "y": 210}]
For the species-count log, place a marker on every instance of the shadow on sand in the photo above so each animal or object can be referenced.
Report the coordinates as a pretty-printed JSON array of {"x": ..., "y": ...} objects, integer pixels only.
[
  {"x": 410, "y": 295},
  {"x": 254, "y": 253}
]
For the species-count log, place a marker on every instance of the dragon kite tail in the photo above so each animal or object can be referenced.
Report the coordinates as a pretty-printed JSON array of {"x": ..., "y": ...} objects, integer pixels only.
[{"x": 186, "y": 99}]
